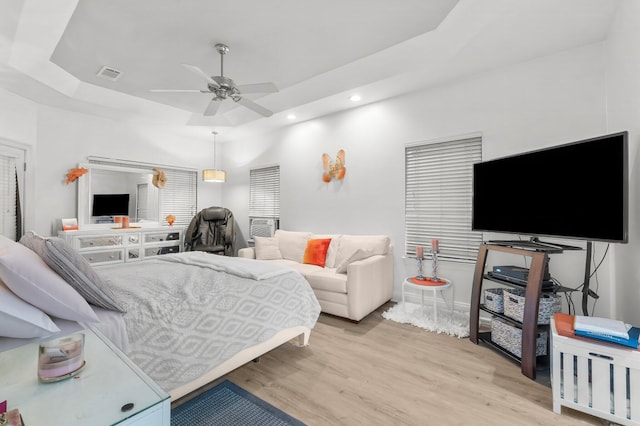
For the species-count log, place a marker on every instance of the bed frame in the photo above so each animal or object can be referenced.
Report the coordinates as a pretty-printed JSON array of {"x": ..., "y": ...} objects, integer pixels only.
[{"x": 300, "y": 333}]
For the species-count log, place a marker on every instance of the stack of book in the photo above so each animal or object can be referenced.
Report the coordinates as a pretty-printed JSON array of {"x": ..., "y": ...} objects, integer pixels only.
[{"x": 607, "y": 330}]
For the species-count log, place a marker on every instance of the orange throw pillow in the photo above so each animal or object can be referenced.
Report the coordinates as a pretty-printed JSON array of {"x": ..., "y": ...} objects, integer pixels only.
[{"x": 316, "y": 251}]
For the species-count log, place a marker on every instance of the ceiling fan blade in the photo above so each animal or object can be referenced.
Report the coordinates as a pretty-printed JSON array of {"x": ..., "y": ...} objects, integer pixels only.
[
  {"x": 254, "y": 107},
  {"x": 257, "y": 88},
  {"x": 213, "y": 106},
  {"x": 201, "y": 73},
  {"x": 178, "y": 91}
]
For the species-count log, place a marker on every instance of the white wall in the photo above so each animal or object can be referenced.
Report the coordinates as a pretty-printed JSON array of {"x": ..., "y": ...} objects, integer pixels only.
[
  {"x": 62, "y": 139},
  {"x": 623, "y": 113},
  {"x": 540, "y": 103}
]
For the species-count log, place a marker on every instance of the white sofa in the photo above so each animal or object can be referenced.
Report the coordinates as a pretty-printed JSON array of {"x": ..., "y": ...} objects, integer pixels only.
[{"x": 357, "y": 274}]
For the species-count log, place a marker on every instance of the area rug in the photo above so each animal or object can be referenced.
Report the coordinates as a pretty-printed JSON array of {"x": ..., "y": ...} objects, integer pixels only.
[
  {"x": 414, "y": 314},
  {"x": 229, "y": 404}
]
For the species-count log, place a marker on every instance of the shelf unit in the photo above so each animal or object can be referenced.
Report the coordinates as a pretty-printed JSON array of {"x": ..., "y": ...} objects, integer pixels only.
[{"x": 533, "y": 290}]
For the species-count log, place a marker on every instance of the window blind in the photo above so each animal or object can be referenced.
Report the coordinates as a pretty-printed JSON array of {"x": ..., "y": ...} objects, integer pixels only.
[
  {"x": 178, "y": 197},
  {"x": 264, "y": 192},
  {"x": 438, "y": 197},
  {"x": 8, "y": 197}
]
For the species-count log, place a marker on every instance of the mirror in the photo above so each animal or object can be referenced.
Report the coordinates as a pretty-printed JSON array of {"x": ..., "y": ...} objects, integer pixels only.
[{"x": 120, "y": 183}]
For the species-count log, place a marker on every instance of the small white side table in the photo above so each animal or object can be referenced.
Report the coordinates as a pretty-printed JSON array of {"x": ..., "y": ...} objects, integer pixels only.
[
  {"x": 435, "y": 289},
  {"x": 109, "y": 390}
]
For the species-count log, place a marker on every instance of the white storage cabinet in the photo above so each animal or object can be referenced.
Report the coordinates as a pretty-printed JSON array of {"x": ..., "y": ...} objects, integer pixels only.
[{"x": 598, "y": 379}]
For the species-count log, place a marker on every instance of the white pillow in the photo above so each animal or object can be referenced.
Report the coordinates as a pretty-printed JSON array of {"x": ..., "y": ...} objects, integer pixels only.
[
  {"x": 378, "y": 244},
  {"x": 292, "y": 244},
  {"x": 29, "y": 278},
  {"x": 359, "y": 254},
  {"x": 73, "y": 268},
  {"x": 332, "y": 252},
  {"x": 20, "y": 319},
  {"x": 266, "y": 248}
]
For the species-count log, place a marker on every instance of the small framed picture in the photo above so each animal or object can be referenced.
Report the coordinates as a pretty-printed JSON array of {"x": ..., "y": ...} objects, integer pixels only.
[{"x": 69, "y": 224}]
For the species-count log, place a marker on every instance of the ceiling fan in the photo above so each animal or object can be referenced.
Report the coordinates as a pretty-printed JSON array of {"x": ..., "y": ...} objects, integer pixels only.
[{"x": 225, "y": 88}]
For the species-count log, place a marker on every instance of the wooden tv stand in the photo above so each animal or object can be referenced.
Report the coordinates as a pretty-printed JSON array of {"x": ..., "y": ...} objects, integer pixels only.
[{"x": 533, "y": 290}]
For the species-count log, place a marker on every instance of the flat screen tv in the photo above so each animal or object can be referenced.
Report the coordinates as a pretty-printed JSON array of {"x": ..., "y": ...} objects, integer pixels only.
[
  {"x": 577, "y": 190},
  {"x": 110, "y": 205}
]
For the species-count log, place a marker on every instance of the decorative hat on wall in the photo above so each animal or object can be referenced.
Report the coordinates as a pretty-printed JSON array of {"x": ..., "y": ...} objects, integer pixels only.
[{"x": 159, "y": 178}]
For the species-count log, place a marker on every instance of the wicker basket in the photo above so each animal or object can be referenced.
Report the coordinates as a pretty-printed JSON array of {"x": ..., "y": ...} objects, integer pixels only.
[
  {"x": 550, "y": 303},
  {"x": 510, "y": 337},
  {"x": 494, "y": 300}
]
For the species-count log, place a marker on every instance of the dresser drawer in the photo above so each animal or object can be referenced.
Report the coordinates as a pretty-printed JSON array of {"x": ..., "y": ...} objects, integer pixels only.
[
  {"x": 98, "y": 241},
  {"x": 156, "y": 237},
  {"x": 104, "y": 256},
  {"x": 156, "y": 251}
]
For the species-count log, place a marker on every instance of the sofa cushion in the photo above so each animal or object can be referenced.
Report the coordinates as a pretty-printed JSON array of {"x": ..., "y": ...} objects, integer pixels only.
[
  {"x": 316, "y": 251},
  {"x": 359, "y": 254},
  {"x": 327, "y": 279},
  {"x": 292, "y": 244},
  {"x": 332, "y": 252},
  {"x": 266, "y": 248},
  {"x": 378, "y": 244}
]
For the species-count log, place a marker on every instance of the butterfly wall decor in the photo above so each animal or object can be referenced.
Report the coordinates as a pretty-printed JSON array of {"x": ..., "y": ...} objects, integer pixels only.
[{"x": 335, "y": 170}]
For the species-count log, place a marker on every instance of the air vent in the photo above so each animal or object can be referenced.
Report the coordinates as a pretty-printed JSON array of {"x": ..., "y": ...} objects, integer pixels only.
[{"x": 109, "y": 73}]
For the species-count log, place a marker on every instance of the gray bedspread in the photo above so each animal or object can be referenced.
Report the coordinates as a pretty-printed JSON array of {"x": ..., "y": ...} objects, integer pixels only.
[{"x": 189, "y": 312}]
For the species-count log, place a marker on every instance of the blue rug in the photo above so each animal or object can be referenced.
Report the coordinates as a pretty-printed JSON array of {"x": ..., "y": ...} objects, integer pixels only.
[{"x": 228, "y": 404}]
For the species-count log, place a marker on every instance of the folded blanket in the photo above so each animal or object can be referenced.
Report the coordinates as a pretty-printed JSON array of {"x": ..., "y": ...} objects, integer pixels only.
[{"x": 239, "y": 266}]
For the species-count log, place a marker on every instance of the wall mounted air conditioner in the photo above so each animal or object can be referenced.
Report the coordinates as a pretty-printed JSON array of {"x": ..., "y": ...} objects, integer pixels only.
[{"x": 261, "y": 227}]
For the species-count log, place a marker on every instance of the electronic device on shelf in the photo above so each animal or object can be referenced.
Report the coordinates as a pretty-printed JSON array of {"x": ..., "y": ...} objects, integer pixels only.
[{"x": 519, "y": 275}]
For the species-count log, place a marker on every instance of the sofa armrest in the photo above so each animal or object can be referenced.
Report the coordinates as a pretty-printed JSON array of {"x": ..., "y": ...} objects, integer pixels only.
[
  {"x": 369, "y": 284},
  {"x": 248, "y": 252}
]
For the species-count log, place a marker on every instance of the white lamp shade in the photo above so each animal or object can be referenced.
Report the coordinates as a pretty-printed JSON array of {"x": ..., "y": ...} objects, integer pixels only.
[{"x": 212, "y": 175}]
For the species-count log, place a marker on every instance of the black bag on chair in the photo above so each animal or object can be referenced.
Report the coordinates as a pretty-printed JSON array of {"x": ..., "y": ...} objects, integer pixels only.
[{"x": 211, "y": 230}]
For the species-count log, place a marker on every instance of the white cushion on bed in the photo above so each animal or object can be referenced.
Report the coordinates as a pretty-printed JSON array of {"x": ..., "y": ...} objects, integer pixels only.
[
  {"x": 73, "y": 268},
  {"x": 20, "y": 319},
  {"x": 33, "y": 281},
  {"x": 267, "y": 248}
]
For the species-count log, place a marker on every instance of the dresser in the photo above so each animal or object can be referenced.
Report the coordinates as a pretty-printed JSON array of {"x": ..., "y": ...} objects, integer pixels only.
[
  {"x": 108, "y": 245},
  {"x": 109, "y": 390}
]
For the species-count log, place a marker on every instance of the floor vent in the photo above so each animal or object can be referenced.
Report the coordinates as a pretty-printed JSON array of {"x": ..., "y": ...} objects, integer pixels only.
[{"x": 109, "y": 73}]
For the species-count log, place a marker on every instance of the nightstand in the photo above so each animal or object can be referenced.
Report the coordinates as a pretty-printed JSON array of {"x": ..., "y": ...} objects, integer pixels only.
[{"x": 109, "y": 390}]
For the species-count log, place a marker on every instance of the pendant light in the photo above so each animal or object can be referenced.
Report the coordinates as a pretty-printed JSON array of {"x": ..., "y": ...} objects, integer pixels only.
[{"x": 214, "y": 175}]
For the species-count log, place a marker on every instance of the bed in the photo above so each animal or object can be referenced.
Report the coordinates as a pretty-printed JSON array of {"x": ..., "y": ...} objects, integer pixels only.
[{"x": 189, "y": 318}]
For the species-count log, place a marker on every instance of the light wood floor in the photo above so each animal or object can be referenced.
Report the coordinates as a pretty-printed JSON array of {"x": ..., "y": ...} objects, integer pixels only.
[{"x": 379, "y": 372}]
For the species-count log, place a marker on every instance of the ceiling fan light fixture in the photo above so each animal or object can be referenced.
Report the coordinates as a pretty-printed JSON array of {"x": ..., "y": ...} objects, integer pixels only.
[{"x": 214, "y": 175}]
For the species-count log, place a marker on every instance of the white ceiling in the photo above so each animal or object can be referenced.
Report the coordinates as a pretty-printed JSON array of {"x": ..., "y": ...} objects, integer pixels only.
[{"x": 317, "y": 53}]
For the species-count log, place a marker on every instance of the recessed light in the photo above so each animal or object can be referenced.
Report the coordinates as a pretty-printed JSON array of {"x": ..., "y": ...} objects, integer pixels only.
[
  {"x": 291, "y": 116},
  {"x": 355, "y": 98}
]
